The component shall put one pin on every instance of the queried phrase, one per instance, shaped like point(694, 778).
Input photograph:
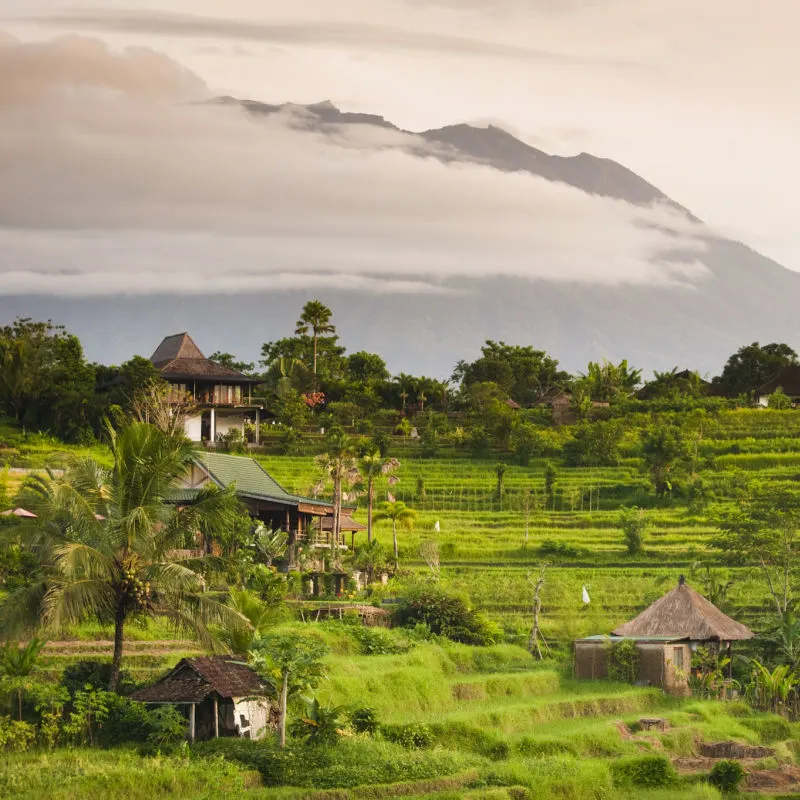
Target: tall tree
point(231, 362)
point(398, 514)
point(753, 365)
point(604, 381)
point(372, 465)
point(316, 318)
point(338, 462)
point(106, 542)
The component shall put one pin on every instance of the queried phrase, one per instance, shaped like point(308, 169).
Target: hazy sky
point(110, 182)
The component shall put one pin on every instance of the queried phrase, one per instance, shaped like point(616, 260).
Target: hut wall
point(677, 662)
point(252, 716)
point(651, 664)
point(591, 661)
point(194, 427)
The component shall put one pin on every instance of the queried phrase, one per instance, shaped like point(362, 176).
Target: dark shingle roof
point(251, 479)
point(193, 679)
point(787, 379)
point(179, 358)
point(685, 613)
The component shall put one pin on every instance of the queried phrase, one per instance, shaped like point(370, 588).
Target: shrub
point(378, 641)
point(650, 771)
point(445, 615)
point(16, 736)
point(364, 720)
point(95, 674)
point(634, 525)
point(623, 661)
point(412, 735)
point(726, 775)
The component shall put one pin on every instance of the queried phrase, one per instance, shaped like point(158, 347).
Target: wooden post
point(191, 723)
point(216, 717)
point(258, 426)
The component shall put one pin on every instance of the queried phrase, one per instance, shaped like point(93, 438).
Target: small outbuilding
point(220, 696)
point(666, 634)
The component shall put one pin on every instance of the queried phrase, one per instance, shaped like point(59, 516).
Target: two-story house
point(222, 397)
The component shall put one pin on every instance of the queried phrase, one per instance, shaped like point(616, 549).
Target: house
point(299, 517)
point(666, 634)
point(786, 379)
point(221, 398)
point(562, 408)
point(220, 696)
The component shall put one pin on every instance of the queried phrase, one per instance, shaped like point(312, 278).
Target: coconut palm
point(106, 541)
point(399, 514)
point(372, 465)
point(17, 662)
point(316, 317)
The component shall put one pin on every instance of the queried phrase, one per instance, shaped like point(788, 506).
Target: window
point(677, 657)
point(227, 394)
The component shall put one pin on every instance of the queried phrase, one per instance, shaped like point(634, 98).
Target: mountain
point(747, 297)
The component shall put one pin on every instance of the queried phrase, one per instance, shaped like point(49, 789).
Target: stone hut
point(220, 696)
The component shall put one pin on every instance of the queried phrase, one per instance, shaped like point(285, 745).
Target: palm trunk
point(116, 661)
point(394, 541)
point(314, 368)
point(284, 701)
point(370, 499)
point(19, 702)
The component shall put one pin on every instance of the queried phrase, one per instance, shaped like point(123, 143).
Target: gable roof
point(193, 679)
point(251, 479)
point(179, 358)
point(788, 379)
point(685, 613)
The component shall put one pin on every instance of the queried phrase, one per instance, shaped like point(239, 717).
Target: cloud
point(113, 179)
point(345, 33)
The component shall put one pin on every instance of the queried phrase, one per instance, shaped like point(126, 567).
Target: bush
point(623, 661)
point(412, 735)
point(445, 615)
point(16, 736)
point(95, 674)
point(649, 771)
point(378, 641)
point(364, 720)
point(726, 775)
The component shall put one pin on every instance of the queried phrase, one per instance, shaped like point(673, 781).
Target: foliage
point(15, 735)
point(634, 524)
point(779, 401)
point(90, 709)
point(623, 660)
point(316, 320)
point(649, 771)
point(770, 690)
point(398, 513)
point(17, 663)
point(726, 775)
point(595, 444)
point(753, 365)
point(95, 674)
point(319, 725)
point(605, 382)
point(666, 457)
point(364, 720)
point(411, 735)
point(445, 615)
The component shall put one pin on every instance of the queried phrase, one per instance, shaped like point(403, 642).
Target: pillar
point(258, 426)
point(213, 425)
point(216, 717)
point(191, 723)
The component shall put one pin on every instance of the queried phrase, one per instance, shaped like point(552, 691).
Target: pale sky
point(699, 97)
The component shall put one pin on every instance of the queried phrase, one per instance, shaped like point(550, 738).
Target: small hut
point(220, 695)
point(666, 633)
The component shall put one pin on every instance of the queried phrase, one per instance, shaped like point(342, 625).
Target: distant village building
point(223, 397)
point(666, 634)
point(219, 695)
point(787, 380)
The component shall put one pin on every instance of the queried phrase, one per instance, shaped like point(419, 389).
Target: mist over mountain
point(691, 319)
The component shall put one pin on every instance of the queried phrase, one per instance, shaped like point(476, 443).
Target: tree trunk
point(116, 661)
point(19, 702)
point(370, 499)
point(394, 541)
point(314, 368)
point(284, 702)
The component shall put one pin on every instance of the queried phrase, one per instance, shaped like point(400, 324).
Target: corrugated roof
point(685, 613)
point(251, 479)
point(193, 679)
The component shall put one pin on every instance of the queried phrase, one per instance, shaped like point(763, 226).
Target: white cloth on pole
point(436, 526)
point(585, 596)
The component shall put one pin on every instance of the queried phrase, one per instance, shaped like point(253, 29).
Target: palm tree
point(338, 462)
point(17, 662)
point(370, 558)
point(106, 541)
point(371, 466)
point(316, 317)
point(398, 513)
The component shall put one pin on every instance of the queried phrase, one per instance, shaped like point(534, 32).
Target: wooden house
point(219, 695)
point(306, 520)
point(666, 634)
point(223, 398)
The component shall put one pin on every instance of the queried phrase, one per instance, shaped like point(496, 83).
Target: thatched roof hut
point(685, 613)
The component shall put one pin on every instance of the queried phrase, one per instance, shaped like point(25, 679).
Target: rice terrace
point(307, 579)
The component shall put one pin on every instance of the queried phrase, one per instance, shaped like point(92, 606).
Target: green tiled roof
point(251, 479)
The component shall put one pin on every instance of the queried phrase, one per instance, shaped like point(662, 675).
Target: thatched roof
point(347, 523)
point(178, 358)
point(685, 613)
point(193, 679)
